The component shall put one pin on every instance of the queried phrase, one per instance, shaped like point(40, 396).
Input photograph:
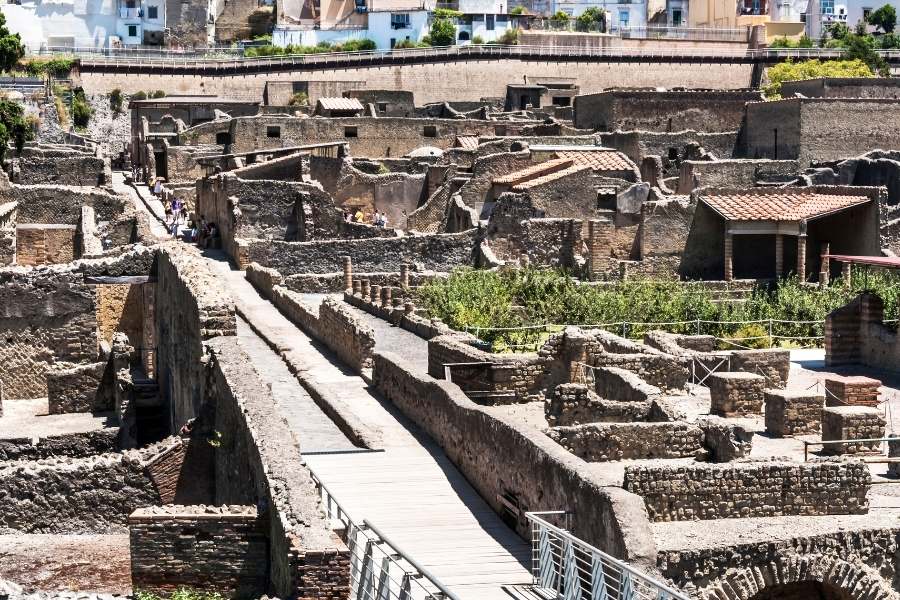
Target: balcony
point(126, 12)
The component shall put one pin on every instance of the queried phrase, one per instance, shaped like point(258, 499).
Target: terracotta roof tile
point(599, 160)
point(779, 205)
point(340, 103)
point(467, 142)
point(550, 177)
point(532, 171)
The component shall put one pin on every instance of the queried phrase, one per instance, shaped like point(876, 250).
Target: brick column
point(801, 257)
point(348, 273)
point(779, 255)
point(599, 240)
point(729, 267)
point(825, 265)
point(404, 276)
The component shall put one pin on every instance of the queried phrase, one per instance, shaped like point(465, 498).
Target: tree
point(13, 126)
point(838, 30)
point(443, 31)
point(559, 20)
point(811, 69)
point(592, 19)
point(862, 47)
point(11, 48)
point(884, 18)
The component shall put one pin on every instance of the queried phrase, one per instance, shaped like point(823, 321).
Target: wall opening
point(802, 590)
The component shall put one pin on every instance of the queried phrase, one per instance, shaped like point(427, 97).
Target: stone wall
point(77, 389)
point(62, 167)
point(45, 244)
point(751, 489)
point(78, 495)
point(734, 173)
point(503, 458)
point(855, 333)
point(191, 306)
point(603, 442)
point(215, 549)
point(8, 220)
point(256, 464)
point(75, 445)
point(427, 252)
point(62, 204)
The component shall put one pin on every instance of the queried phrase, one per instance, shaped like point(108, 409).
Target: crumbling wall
point(75, 445)
point(750, 489)
point(60, 166)
point(77, 389)
point(8, 220)
point(602, 442)
point(216, 549)
point(734, 173)
point(191, 306)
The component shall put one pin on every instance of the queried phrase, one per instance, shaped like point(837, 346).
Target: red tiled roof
point(779, 205)
point(532, 171)
point(599, 160)
point(467, 142)
point(549, 177)
point(891, 262)
point(340, 103)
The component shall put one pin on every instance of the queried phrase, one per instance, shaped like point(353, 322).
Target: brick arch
point(857, 580)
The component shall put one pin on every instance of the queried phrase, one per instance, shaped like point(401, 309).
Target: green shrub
point(81, 110)
point(115, 100)
point(442, 32)
point(518, 10)
point(299, 99)
point(810, 69)
point(478, 40)
point(751, 336)
point(60, 66)
point(140, 95)
point(158, 94)
point(181, 593)
point(592, 19)
point(510, 37)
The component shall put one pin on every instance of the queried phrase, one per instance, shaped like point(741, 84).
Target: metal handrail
point(662, 590)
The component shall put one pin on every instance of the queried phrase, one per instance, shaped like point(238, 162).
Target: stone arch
point(856, 580)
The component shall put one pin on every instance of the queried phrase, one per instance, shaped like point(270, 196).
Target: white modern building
point(87, 23)
point(395, 21)
point(621, 14)
point(821, 13)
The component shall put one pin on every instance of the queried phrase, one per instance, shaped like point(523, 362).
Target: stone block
point(852, 423)
point(851, 391)
point(736, 394)
point(793, 413)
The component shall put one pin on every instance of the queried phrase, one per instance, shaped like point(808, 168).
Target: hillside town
point(402, 300)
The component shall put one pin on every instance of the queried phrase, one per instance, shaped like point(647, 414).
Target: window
point(489, 22)
point(866, 12)
point(152, 12)
point(429, 131)
point(273, 131)
point(399, 21)
point(132, 31)
point(502, 19)
point(623, 18)
point(223, 138)
point(477, 18)
point(676, 17)
point(464, 36)
point(393, 42)
point(350, 132)
point(382, 106)
point(827, 7)
point(561, 101)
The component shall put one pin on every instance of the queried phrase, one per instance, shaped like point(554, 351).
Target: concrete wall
point(464, 80)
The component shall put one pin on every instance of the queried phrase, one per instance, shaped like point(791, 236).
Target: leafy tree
point(13, 126)
point(889, 41)
point(443, 31)
point(81, 110)
point(810, 69)
point(559, 20)
point(838, 30)
point(518, 10)
point(592, 19)
point(862, 47)
point(884, 18)
point(11, 48)
point(510, 37)
point(115, 100)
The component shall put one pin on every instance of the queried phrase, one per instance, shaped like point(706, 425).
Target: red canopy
point(890, 262)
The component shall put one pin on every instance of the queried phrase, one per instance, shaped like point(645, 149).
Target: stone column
point(599, 241)
point(404, 276)
point(348, 272)
point(847, 274)
point(409, 308)
point(386, 296)
point(729, 267)
point(364, 290)
point(357, 287)
point(801, 256)
point(779, 255)
point(825, 268)
point(376, 294)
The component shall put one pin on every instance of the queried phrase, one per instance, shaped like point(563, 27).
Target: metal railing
point(216, 59)
point(379, 568)
point(567, 568)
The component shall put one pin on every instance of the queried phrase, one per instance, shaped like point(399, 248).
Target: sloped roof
point(532, 171)
point(467, 142)
point(779, 205)
point(599, 160)
point(525, 185)
point(340, 104)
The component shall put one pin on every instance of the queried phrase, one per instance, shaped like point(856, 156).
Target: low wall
point(613, 383)
point(751, 489)
point(602, 442)
point(501, 457)
point(574, 404)
point(214, 549)
point(438, 252)
point(77, 389)
point(76, 445)
point(78, 495)
point(256, 463)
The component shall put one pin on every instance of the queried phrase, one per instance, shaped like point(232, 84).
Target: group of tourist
point(379, 219)
point(204, 233)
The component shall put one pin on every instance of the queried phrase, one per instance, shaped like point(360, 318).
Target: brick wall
point(76, 389)
point(603, 442)
point(215, 549)
point(45, 244)
point(751, 489)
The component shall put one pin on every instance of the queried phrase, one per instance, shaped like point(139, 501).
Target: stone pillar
point(729, 266)
point(386, 296)
point(779, 255)
point(825, 268)
point(376, 294)
point(357, 287)
point(409, 308)
point(396, 302)
point(599, 241)
point(364, 290)
point(801, 257)
point(404, 276)
point(847, 274)
point(348, 272)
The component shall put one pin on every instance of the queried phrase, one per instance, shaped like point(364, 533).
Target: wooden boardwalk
point(418, 499)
